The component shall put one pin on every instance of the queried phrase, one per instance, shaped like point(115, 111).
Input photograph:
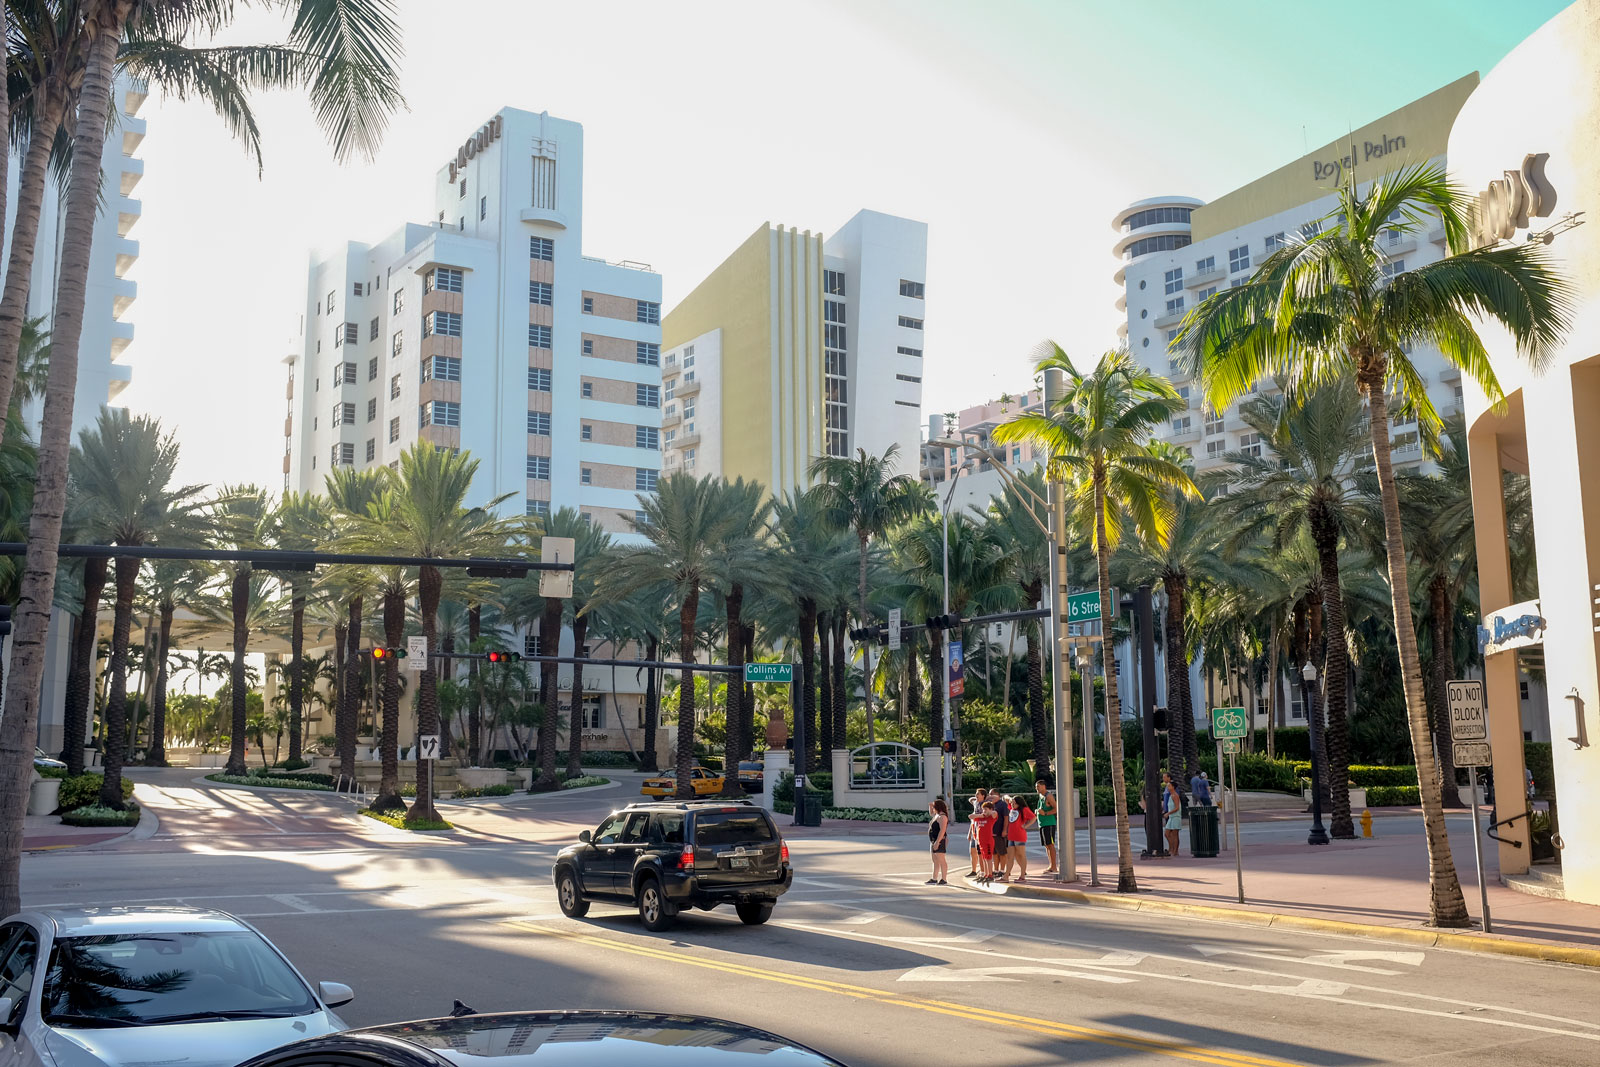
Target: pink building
point(975, 425)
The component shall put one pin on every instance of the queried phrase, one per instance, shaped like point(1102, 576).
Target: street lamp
point(1308, 698)
point(944, 643)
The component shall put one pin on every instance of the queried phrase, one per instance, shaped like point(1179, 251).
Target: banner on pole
point(958, 683)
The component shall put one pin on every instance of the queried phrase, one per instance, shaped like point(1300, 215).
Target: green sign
point(1228, 724)
point(1083, 607)
point(769, 672)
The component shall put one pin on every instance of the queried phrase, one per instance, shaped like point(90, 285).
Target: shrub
point(502, 790)
point(297, 776)
point(608, 759)
point(95, 815)
point(83, 790)
point(875, 814)
point(580, 782)
point(275, 781)
point(817, 785)
point(1393, 796)
point(1258, 772)
point(51, 772)
point(1369, 776)
point(397, 819)
point(1536, 755)
point(293, 764)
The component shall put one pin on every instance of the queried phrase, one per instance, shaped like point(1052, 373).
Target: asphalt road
point(860, 960)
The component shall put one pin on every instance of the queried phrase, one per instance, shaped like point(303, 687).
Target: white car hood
point(216, 1044)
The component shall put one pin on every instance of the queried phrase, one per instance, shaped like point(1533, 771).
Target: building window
point(440, 413)
point(331, 295)
point(588, 305)
point(397, 342)
point(483, 207)
point(911, 289)
point(647, 396)
point(647, 353)
point(904, 351)
point(1239, 258)
point(833, 282)
point(1183, 394)
point(647, 311)
point(585, 476)
point(1311, 229)
point(646, 437)
point(1206, 294)
point(356, 288)
point(343, 413)
point(372, 409)
point(1217, 448)
point(1174, 280)
point(535, 507)
point(394, 429)
point(348, 334)
point(1180, 424)
point(463, 191)
point(372, 369)
point(907, 378)
point(343, 372)
point(1275, 241)
point(586, 432)
point(441, 369)
point(1522, 690)
point(372, 449)
point(644, 480)
point(443, 323)
point(1393, 267)
point(1238, 282)
point(399, 301)
point(541, 293)
point(539, 379)
point(1205, 264)
point(1250, 444)
point(1213, 422)
point(1174, 305)
point(1172, 338)
point(444, 279)
point(588, 390)
point(394, 387)
point(834, 336)
point(833, 311)
point(539, 423)
point(541, 248)
point(539, 468)
point(538, 336)
point(910, 323)
point(588, 346)
point(343, 453)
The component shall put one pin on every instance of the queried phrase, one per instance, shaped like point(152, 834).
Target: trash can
point(44, 796)
point(1205, 839)
point(807, 808)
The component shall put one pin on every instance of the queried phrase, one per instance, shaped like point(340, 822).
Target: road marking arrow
point(997, 974)
point(1311, 987)
point(1337, 960)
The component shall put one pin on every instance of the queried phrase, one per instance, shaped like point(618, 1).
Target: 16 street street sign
point(1228, 724)
point(769, 672)
point(1083, 607)
point(1467, 722)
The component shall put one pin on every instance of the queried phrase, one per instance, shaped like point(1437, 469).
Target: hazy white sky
point(1014, 129)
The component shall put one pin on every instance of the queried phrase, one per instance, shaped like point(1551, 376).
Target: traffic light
point(949, 744)
point(863, 633)
point(944, 622)
point(504, 657)
point(1159, 717)
point(381, 653)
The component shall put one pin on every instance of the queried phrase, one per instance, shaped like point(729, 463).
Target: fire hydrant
point(1366, 823)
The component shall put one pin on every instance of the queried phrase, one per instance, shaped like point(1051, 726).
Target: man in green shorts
point(1047, 822)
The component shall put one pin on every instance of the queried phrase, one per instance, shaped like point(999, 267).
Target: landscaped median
point(294, 780)
point(79, 800)
point(397, 819)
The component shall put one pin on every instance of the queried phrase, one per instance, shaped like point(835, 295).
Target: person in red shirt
point(984, 819)
point(1017, 838)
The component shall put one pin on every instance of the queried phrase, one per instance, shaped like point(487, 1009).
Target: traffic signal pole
point(1061, 663)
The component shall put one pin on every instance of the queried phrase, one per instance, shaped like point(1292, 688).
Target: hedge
point(95, 815)
point(275, 781)
point(818, 785)
point(300, 776)
point(587, 779)
point(608, 759)
point(1368, 776)
point(484, 791)
point(83, 790)
point(1393, 796)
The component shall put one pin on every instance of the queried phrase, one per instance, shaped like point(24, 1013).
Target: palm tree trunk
point(447, 645)
point(580, 633)
point(651, 760)
point(116, 715)
point(1180, 701)
point(685, 755)
point(1439, 610)
point(475, 702)
point(866, 646)
point(1446, 904)
point(156, 753)
point(240, 607)
point(736, 743)
point(748, 701)
point(20, 724)
point(808, 686)
point(1274, 682)
point(394, 632)
point(914, 712)
point(825, 682)
point(1336, 670)
point(345, 724)
point(1043, 736)
point(31, 184)
point(297, 669)
point(840, 734)
point(429, 583)
point(1126, 882)
point(549, 695)
point(85, 635)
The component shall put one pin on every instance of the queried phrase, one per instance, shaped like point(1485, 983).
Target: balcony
point(1170, 319)
point(128, 215)
point(127, 254)
point(132, 134)
point(120, 376)
point(138, 93)
point(540, 216)
point(1181, 437)
point(1450, 373)
point(670, 419)
point(689, 388)
point(1399, 245)
point(132, 171)
point(1205, 277)
point(1436, 235)
point(121, 337)
point(124, 291)
point(687, 440)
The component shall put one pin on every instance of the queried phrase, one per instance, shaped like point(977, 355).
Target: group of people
point(997, 834)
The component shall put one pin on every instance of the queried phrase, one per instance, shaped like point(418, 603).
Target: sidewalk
point(1373, 886)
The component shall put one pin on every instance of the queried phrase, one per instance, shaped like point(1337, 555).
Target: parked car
point(665, 784)
point(538, 1038)
point(129, 985)
point(664, 857)
point(751, 775)
point(43, 759)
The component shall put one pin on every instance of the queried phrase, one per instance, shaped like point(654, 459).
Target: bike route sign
point(1228, 724)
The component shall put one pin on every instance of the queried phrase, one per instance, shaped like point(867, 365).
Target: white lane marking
point(1340, 960)
point(971, 937)
point(1311, 987)
point(997, 974)
point(823, 885)
point(292, 901)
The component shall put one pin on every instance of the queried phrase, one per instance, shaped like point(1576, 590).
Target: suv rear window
point(732, 828)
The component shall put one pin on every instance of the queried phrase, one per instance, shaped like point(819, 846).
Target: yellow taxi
point(665, 784)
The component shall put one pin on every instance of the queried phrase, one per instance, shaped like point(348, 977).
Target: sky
point(1014, 128)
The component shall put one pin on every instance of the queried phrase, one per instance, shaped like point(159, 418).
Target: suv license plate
point(737, 862)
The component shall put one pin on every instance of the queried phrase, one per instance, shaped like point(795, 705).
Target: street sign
point(1229, 723)
point(1467, 722)
point(1471, 753)
point(769, 672)
point(894, 629)
point(416, 653)
point(428, 746)
point(1083, 607)
point(556, 584)
point(1231, 746)
point(958, 674)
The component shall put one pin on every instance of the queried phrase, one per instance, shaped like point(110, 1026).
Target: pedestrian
point(1171, 812)
point(939, 841)
point(984, 819)
point(1047, 822)
point(1200, 788)
point(1017, 837)
point(977, 800)
point(1001, 811)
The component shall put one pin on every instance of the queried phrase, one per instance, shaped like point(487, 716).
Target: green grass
point(94, 815)
point(398, 820)
point(275, 781)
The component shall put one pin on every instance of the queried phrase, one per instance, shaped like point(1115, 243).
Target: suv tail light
point(686, 858)
point(784, 853)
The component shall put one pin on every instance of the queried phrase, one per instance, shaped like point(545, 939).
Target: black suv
point(669, 855)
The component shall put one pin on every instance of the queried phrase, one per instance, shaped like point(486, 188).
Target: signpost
point(894, 629)
point(417, 655)
point(1228, 726)
point(556, 584)
point(783, 674)
point(428, 746)
point(1469, 733)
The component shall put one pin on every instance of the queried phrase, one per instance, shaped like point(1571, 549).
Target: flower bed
point(95, 815)
point(276, 781)
point(397, 819)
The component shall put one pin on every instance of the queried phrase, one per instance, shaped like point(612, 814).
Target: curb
point(522, 796)
point(1487, 944)
point(204, 781)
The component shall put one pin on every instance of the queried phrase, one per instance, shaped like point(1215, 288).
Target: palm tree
point(1097, 440)
point(590, 550)
point(742, 552)
point(1333, 307)
point(683, 528)
point(1026, 555)
point(351, 493)
point(170, 581)
point(240, 519)
point(304, 522)
point(805, 548)
point(122, 471)
point(865, 496)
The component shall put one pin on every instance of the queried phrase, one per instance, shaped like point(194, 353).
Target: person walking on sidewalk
point(1171, 812)
point(939, 841)
point(1047, 822)
point(1200, 788)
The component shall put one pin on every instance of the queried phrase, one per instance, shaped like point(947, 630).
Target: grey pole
point(1055, 386)
point(1477, 849)
point(1086, 675)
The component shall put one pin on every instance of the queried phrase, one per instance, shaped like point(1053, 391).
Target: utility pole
point(1055, 387)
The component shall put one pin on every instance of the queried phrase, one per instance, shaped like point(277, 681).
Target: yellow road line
point(1195, 1053)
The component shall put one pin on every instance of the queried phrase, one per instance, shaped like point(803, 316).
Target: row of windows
point(833, 282)
point(538, 335)
point(541, 248)
point(1154, 215)
point(911, 289)
point(541, 293)
point(910, 323)
point(441, 369)
point(442, 323)
point(443, 279)
point(833, 311)
point(1166, 242)
point(439, 413)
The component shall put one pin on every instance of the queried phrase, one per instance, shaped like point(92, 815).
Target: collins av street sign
point(769, 672)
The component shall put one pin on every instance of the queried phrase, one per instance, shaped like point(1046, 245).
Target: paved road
point(861, 959)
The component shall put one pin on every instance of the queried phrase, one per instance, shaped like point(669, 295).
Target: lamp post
point(948, 776)
point(1308, 697)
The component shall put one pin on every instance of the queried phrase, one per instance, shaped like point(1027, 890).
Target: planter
point(1358, 797)
point(525, 776)
point(44, 796)
point(323, 764)
point(479, 777)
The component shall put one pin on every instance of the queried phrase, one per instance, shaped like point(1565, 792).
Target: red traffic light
point(503, 657)
point(380, 653)
point(388, 653)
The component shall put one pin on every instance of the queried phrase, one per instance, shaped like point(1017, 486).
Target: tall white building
point(1177, 250)
point(487, 329)
point(798, 347)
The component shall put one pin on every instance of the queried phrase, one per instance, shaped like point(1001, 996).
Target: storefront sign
point(1517, 626)
point(487, 135)
point(1507, 204)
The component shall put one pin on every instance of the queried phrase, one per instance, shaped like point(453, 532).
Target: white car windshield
point(158, 978)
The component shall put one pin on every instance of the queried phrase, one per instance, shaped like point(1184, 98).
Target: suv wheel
point(573, 906)
point(654, 911)
point(753, 912)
